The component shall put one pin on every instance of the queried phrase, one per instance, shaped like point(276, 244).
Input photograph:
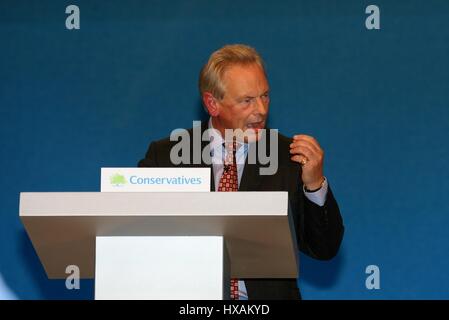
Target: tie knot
point(230, 146)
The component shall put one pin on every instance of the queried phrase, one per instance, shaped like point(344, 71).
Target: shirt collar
point(216, 139)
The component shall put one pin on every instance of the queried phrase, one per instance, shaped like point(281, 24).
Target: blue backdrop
point(73, 101)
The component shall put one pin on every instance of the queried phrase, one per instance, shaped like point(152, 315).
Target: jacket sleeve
point(322, 228)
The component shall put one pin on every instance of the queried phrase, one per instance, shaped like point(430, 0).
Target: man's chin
point(251, 135)
point(247, 135)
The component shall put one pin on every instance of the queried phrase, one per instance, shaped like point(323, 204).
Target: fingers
point(306, 144)
point(302, 140)
point(304, 150)
point(300, 159)
point(306, 138)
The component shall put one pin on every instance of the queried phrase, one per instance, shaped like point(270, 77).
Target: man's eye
point(247, 100)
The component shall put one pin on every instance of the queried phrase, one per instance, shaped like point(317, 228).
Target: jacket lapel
point(250, 177)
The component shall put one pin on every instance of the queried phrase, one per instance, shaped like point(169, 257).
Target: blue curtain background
point(73, 101)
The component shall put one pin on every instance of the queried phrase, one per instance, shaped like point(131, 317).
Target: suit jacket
point(319, 230)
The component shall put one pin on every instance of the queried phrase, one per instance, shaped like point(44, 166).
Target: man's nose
point(261, 106)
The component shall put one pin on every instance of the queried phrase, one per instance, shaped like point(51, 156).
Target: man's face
point(246, 100)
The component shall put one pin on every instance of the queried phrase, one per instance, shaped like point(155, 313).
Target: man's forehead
point(245, 79)
point(246, 71)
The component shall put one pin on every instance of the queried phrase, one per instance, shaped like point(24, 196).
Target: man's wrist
point(315, 187)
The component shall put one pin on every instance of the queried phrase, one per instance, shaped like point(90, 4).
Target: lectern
point(168, 245)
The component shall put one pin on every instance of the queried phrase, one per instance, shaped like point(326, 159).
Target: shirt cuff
point(318, 197)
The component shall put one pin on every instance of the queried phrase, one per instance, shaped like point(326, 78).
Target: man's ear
point(211, 104)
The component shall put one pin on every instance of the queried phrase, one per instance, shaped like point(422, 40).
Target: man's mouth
point(256, 125)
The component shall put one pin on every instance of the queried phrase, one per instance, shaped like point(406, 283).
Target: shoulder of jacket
point(166, 142)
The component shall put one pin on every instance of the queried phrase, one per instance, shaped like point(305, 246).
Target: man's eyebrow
point(252, 97)
point(245, 97)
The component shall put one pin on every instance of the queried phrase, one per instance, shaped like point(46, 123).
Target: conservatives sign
point(155, 179)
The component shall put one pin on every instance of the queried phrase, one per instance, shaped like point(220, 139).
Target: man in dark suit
point(235, 93)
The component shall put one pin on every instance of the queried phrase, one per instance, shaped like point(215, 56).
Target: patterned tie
point(229, 182)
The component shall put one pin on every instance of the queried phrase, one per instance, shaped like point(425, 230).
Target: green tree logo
point(118, 180)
